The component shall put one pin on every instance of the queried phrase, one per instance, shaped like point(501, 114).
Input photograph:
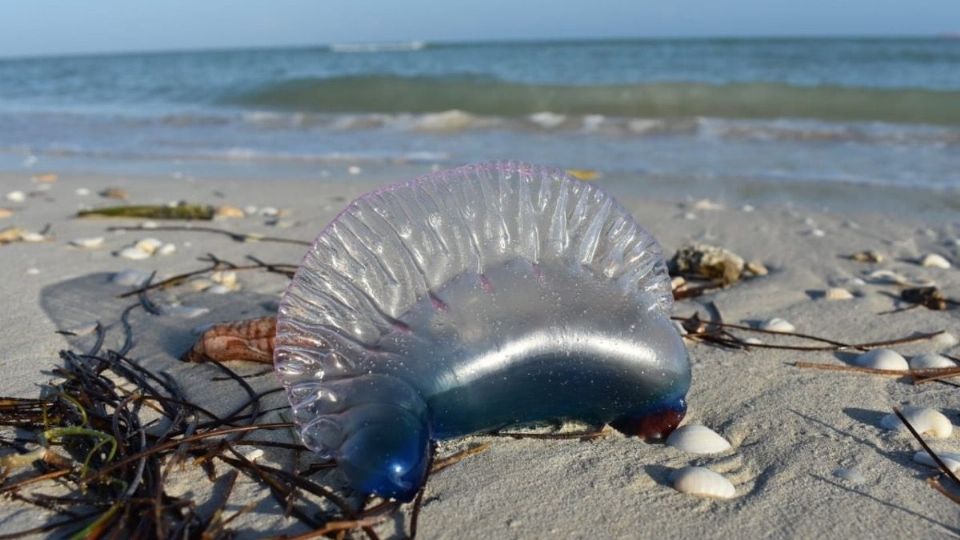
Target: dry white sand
point(790, 428)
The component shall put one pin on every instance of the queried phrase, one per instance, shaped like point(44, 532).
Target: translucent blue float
point(470, 300)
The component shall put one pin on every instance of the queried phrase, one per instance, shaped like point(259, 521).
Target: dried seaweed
point(237, 237)
point(152, 211)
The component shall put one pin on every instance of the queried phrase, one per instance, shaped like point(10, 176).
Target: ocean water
point(734, 116)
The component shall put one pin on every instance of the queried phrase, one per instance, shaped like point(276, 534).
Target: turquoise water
point(776, 111)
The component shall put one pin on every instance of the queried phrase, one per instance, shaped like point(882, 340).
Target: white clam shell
point(926, 421)
point(931, 361)
point(934, 260)
point(702, 482)
point(16, 196)
point(133, 254)
point(87, 243)
point(886, 277)
point(777, 324)
point(950, 459)
point(698, 439)
point(945, 340)
point(33, 237)
point(882, 359)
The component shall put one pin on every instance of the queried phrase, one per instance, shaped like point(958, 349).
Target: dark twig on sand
point(216, 265)
point(235, 236)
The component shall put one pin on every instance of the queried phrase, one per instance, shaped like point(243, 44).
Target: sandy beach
point(809, 457)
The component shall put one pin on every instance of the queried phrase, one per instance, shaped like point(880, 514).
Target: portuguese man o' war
point(471, 300)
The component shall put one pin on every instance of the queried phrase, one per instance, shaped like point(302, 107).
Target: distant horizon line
point(946, 35)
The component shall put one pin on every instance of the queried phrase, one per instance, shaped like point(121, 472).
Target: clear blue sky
point(39, 27)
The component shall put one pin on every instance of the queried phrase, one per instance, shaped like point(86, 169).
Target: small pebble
point(777, 324)
point(16, 196)
point(933, 260)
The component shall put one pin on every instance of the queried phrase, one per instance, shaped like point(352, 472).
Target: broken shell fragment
point(777, 324)
point(706, 261)
point(148, 245)
point(133, 254)
point(756, 268)
point(886, 277)
point(167, 249)
point(87, 243)
point(934, 260)
point(16, 196)
point(950, 459)
point(882, 359)
point(837, 293)
point(925, 420)
point(227, 211)
point(697, 439)
point(931, 361)
point(702, 482)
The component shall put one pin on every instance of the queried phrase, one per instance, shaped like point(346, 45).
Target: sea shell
point(882, 359)
point(837, 293)
point(87, 243)
point(16, 196)
point(697, 439)
point(702, 482)
point(934, 260)
point(777, 324)
point(148, 245)
point(470, 300)
point(925, 420)
point(133, 254)
point(930, 361)
point(886, 277)
point(950, 459)
point(945, 340)
point(167, 249)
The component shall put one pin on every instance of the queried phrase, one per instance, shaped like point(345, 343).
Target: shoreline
point(790, 428)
